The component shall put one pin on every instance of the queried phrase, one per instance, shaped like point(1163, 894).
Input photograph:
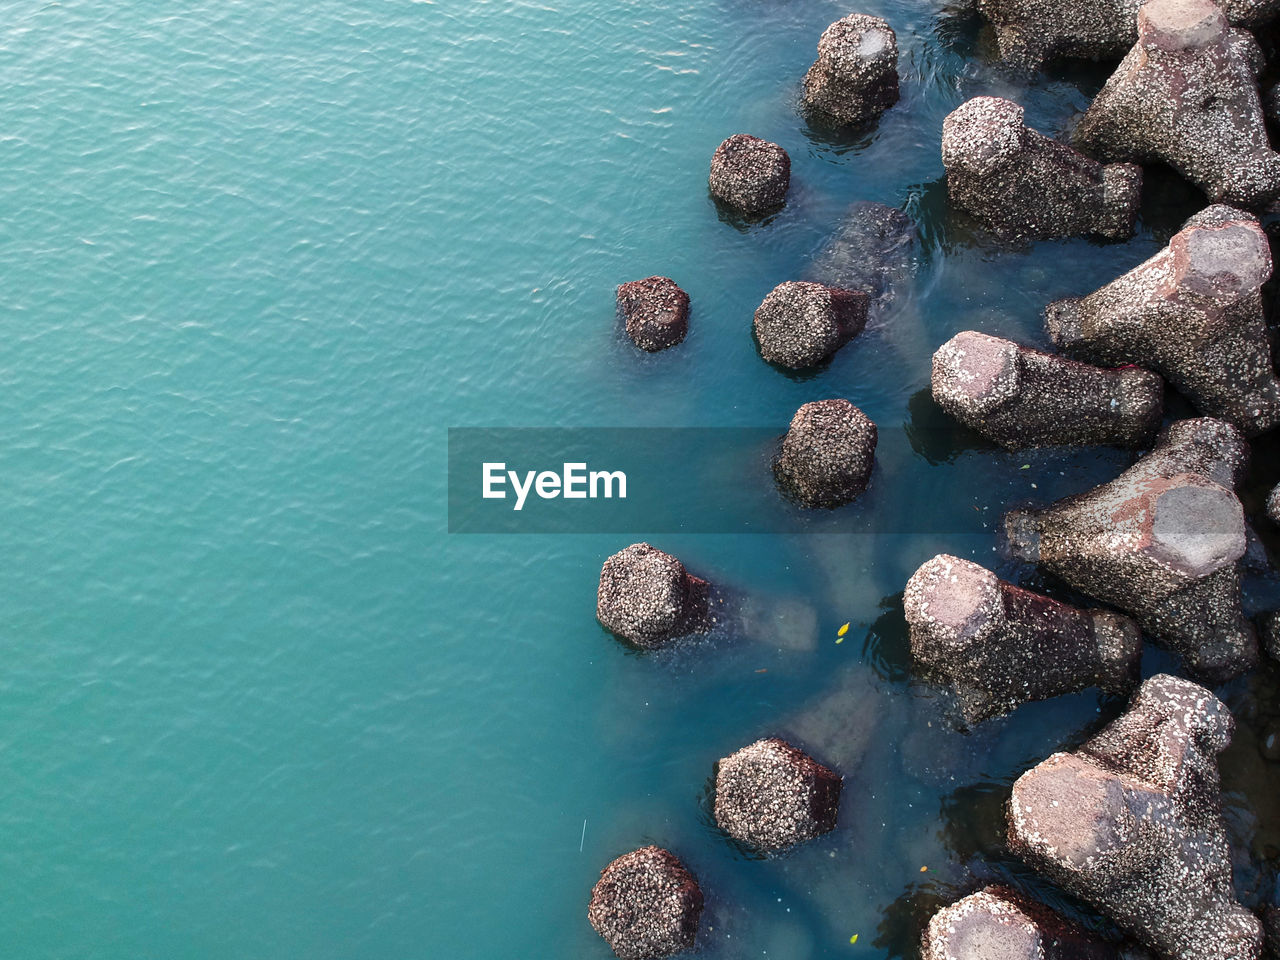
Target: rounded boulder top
point(646, 905)
point(800, 323)
point(750, 175)
point(643, 595)
point(982, 133)
point(771, 795)
point(1180, 25)
point(828, 453)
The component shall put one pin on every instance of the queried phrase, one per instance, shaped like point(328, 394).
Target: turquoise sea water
point(257, 258)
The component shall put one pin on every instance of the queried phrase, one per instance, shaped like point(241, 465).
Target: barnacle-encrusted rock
point(1271, 634)
point(1024, 186)
point(1030, 32)
point(1193, 313)
point(648, 598)
point(997, 646)
point(1161, 542)
point(855, 77)
point(800, 324)
point(1000, 924)
point(1132, 823)
point(646, 905)
point(656, 312)
point(827, 454)
point(1021, 397)
point(871, 251)
point(750, 175)
point(1271, 923)
point(772, 795)
point(1186, 95)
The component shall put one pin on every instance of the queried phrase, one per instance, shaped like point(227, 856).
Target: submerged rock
point(871, 251)
point(1186, 95)
point(997, 646)
point(1273, 504)
point(855, 77)
point(801, 324)
point(827, 454)
point(842, 722)
point(1162, 543)
point(1193, 313)
point(656, 312)
point(1000, 924)
point(647, 598)
point(1024, 186)
point(1030, 32)
point(1021, 397)
point(1132, 823)
point(772, 795)
point(749, 175)
point(646, 905)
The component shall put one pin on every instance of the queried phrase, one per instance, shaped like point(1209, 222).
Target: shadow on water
point(887, 647)
point(938, 437)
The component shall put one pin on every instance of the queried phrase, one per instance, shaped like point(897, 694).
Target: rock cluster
point(1024, 186)
point(1193, 313)
point(646, 905)
point(1160, 542)
point(1186, 95)
point(647, 598)
point(827, 454)
point(656, 312)
point(1000, 924)
point(855, 77)
point(1019, 397)
point(996, 646)
point(1132, 823)
point(749, 175)
point(800, 324)
point(771, 795)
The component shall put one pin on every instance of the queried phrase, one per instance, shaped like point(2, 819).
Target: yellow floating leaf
point(924, 869)
point(854, 938)
point(839, 639)
point(843, 630)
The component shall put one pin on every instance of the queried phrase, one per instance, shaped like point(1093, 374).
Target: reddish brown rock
point(646, 905)
point(1162, 543)
point(827, 454)
point(855, 77)
point(997, 646)
point(1024, 186)
point(656, 312)
point(1186, 95)
point(771, 795)
point(1021, 397)
point(749, 175)
point(1193, 313)
point(1132, 824)
point(800, 324)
